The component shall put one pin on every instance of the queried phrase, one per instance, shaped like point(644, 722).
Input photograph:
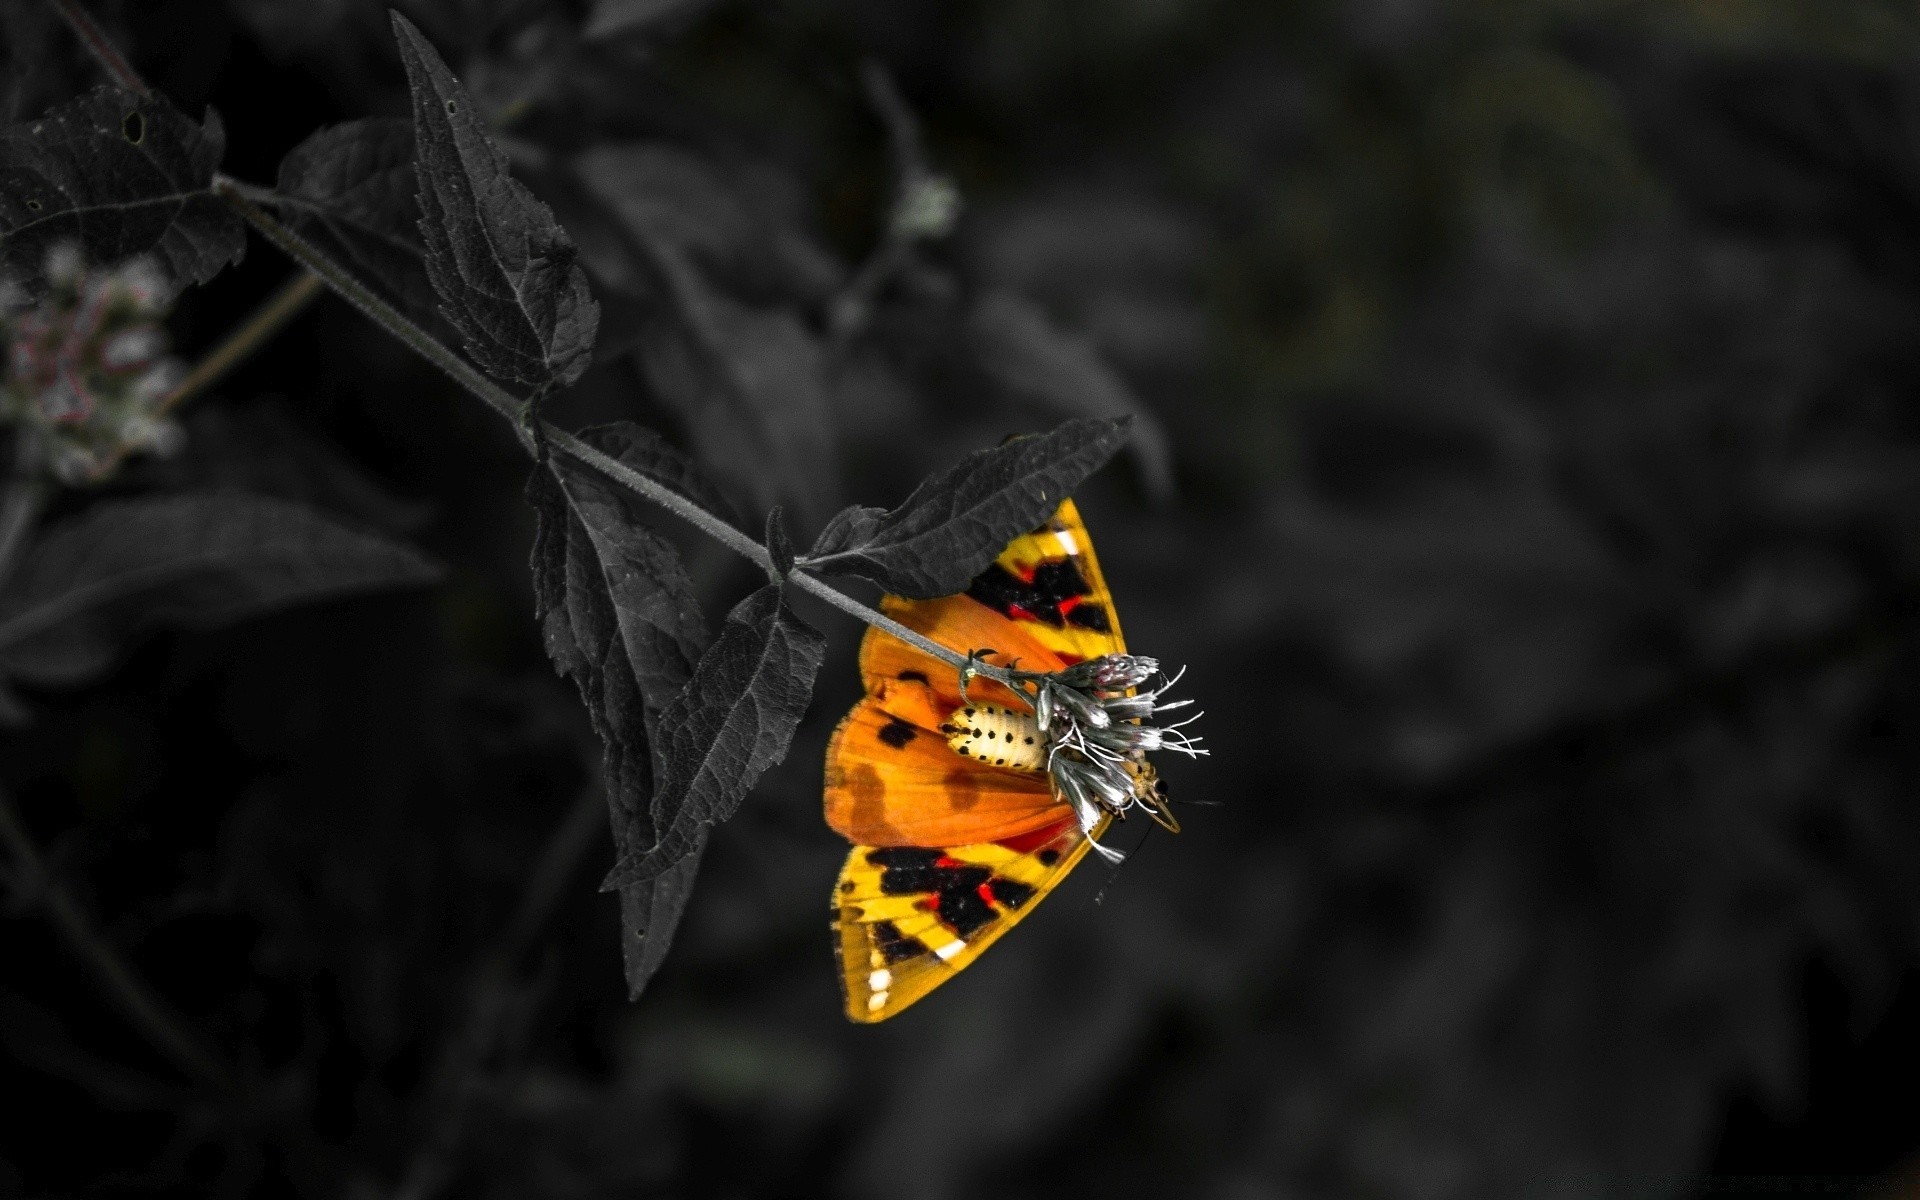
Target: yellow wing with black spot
point(910, 918)
point(1046, 584)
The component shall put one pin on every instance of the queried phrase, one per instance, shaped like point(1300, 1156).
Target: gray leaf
point(351, 191)
point(732, 722)
point(194, 560)
point(619, 618)
point(122, 175)
point(505, 271)
point(955, 522)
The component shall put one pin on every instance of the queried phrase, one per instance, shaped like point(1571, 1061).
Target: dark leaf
point(121, 175)
point(1025, 352)
point(619, 617)
point(197, 560)
point(505, 271)
point(266, 448)
point(955, 522)
point(779, 544)
point(650, 911)
point(612, 18)
point(733, 721)
point(664, 463)
point(750, 385)
point(749, 380)
point(743, 222)
point(351, 190)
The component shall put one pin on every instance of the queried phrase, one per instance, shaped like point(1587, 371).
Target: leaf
point(505, 271)
point(779, 544)
point(749, 381)
point(1025, 352)
point(664, 463)
point(619, 617)
point(122, 175)
point(351, 190)
point(194, 560)
point(734, 720)
point(750, 385)
point(955, 522)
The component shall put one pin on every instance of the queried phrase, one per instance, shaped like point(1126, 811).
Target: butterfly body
point(1001, 736)
point(958, 832)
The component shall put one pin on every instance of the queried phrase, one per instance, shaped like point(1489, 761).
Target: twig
point(489, 997)
point(247, 201)
point(136, 999)
point(100, 46)
point(284, 305)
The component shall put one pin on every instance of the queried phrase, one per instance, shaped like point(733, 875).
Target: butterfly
point(957, 831)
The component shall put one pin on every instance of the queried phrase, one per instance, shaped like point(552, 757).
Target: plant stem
point(100, 46)
point(134, 996)
point(247, 201)
point(284, 305)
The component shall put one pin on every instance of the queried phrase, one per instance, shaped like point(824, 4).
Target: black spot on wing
point(964, 912)
point(1054, 582)
point(914, 677)
point(894, 946)
point(952, 888)
point(1009, 893)
point(1090, 616)
point(1048, 856)
point(896, 733)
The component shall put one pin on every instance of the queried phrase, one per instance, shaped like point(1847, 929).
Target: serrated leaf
point(193, 560)
point(733, 721)
point(506, 272)
point(121, 175)
point(351, 191)
point(955, 522)
point(619, 617)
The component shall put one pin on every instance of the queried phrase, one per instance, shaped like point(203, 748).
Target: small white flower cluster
point(1095, 717)
point(87, 366)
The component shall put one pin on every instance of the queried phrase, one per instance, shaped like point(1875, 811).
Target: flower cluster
point(87, 368)
point(1096, 717)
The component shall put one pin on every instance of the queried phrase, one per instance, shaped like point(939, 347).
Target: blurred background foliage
point(1531, 479)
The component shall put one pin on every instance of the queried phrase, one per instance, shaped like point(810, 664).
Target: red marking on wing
point(985, 892)
point(1027, 843)
point(1069, 604)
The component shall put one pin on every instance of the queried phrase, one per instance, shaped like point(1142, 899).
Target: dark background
point(1541, 389)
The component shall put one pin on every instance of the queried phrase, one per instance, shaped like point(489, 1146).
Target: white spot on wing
point(876, 1002)
point(880, 980)
point(1066, 541)
point(950, 949)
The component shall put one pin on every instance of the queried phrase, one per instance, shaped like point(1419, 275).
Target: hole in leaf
point(134, 127)
point(34, 205)
point(452, 107)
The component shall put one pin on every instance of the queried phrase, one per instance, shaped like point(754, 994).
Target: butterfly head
point(1095, 723)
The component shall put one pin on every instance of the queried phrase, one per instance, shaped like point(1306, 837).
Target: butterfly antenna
point(1101, 896)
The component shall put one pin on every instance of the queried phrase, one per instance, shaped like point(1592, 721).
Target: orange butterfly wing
point(951, 852)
